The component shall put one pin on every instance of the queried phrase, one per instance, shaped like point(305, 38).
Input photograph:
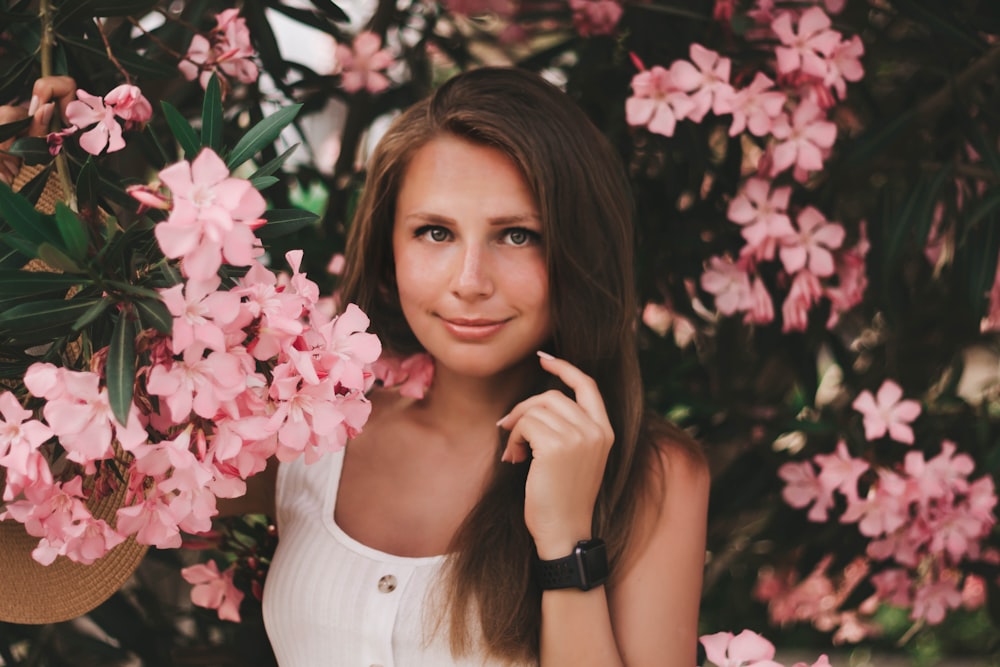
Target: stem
point(950, 93)
point(111, 55)
point(45, 46)
point(154, 39)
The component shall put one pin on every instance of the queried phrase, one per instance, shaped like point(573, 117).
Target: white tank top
point(330, 601)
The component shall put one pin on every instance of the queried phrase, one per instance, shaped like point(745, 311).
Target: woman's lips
point(473, 329)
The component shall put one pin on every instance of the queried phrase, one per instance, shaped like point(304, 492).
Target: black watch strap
point(585, 568)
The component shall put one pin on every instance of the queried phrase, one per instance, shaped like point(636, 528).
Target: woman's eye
point(436, 234)
point(519, 236)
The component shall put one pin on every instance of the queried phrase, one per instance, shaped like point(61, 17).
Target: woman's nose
point(472, 277)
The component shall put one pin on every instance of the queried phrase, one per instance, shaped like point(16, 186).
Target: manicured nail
point(502, 419)
point(45, 116)
point(545, 355)
point(504, 458)
point(33, 105)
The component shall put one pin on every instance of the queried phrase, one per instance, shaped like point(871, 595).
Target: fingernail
point(502, 419)
point(504, 457)
point(45, 116)
point(545, 355)
point(33, 106)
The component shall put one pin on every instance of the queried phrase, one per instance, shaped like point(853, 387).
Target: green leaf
point(34, 188)
point(263, 182)
point(33, 150)
point(24, 219)
point(11, 130)
point(57, 259)
point(12, 259)
point(285, 221)
point(44, 315)
point(20, 245)
point(183, 132)
point(211, 116)
point(260, 135)
point(73, 232)
point(120, 369)
point(153, 313)
point(88, 186)
point(92, 313)
point(274, 165)
point(14, 282)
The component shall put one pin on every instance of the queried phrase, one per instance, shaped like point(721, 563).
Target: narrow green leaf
point(988, 206)
point(261, 135)
point(120, 369)
point(263, 182)
point(73, 232)
point(34, 188)
point(171, 274)
point(32, 150)
point(43, 315)
point(274, 165)
point(23, 218)
point(92, 313)
point(183, 132)
point(11, 259)
point(285, 221)
point(14, 282)
point(211, 116)
point(57, 259)
point(153, 313)
point(20, 245)
point(129, 288)
point(11, 130)
point(88, 186)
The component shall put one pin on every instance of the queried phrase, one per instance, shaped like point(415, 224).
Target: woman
point(494, 233)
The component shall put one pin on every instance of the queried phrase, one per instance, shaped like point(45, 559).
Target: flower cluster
point(923, 519)
point(790, 113)
point(362, 64)
point(252, 370)
point(747, 649)
point(102, 114)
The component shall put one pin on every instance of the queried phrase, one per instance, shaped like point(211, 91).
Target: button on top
point(387, 584)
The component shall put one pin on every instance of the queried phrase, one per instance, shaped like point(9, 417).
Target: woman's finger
point(530, 428)
point(584, 387)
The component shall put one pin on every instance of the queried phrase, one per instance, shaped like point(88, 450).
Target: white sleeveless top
point(330, 601)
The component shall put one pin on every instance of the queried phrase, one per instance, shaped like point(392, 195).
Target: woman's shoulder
point(679, 459)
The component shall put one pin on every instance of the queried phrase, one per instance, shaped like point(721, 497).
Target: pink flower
point(840, 471)
point(804, 293)
point(845, 65)
point(657, 102)
point(887, 413)
point(661, 319)
point(762, 212)
point(747, 649)
point(595, 17)
point(213, 216)
point(360, 67)
point(886, 508)
point(932, 600)
point(227, 49)
point(807, 49)
point(200, 312)
point(756, 107)
point(803, 487)
point(729, 283)
point(89, 110)
point(707, 81)
point(130, 105)
point(411, 376)
point(20, 435)
point(803, 141)
point(761, 310)
point(851, 280)
point(811, 247)
point(214, 590)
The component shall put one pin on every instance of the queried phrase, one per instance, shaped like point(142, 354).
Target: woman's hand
point(569, 442)
point(47, 93)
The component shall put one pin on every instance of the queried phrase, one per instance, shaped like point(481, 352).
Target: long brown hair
point(586, 212)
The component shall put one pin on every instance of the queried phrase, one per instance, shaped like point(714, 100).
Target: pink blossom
point(214, 590)
point(55, 140)
point(933, 599)
point(840, 471)
point(200, 312)
point(884, 510)
point(804, 293)
point(892, 586)
point(657, 102)
point(761, 310)
point(151, 520)
point(129, 104)
point(337, 264)
point(808, 48)
point(20, 435)
point(87, 110)
point(845, 65)
point(661, 319)
point(411, 375)
point(197, 383)
point(595, 17)
point(747, 649)
point(811, 247)
point(852, 280)
point(361, 66)
point(762, 212)
point(227, 49)
point(756, 107)
point(803, 141)
point(212, 218)
point(729, 283)
point(803, 487)
point(887, 413)
point(707, 81)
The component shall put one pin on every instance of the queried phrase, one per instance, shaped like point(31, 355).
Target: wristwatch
point(585, 568)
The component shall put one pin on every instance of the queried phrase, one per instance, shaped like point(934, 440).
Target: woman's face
point(470, 261)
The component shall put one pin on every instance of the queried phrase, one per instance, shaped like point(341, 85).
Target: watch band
point(585, 568)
